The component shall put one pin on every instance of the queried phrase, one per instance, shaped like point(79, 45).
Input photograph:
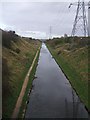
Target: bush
point(5, 78)
point(59, 52)
point(7, 37)
point(17, 50)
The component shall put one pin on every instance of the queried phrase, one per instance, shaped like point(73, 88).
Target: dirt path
point(24, 86)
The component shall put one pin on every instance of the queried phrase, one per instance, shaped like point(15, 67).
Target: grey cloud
point(38, 16)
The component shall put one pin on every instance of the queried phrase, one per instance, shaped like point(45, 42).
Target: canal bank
point(52, 95)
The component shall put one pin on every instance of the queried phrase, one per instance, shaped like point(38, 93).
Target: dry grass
point(18, 65)
point(74, 61)
point(78, 58)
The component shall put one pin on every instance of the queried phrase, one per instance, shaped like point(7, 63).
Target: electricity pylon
point(50, 32)
point(80, 22)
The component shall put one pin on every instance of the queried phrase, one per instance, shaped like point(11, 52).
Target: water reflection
point(75, 104)
point(52, 95)
point(76, 108)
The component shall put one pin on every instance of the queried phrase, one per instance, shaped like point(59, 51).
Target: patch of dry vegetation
point(72, 56)
point(17, 59)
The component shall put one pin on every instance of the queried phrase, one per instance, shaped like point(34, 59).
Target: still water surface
point(52, 95)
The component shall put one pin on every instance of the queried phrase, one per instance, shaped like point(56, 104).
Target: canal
point(52, 95)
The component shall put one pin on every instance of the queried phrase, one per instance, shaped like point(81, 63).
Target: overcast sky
point(34, 19)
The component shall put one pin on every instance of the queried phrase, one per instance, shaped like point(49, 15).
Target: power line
point(80, 21)
point(62, 18)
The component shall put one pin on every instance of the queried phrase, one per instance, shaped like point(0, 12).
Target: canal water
point(52, 95)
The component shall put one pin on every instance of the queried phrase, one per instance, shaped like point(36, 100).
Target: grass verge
point(18, 65)
point(80, 86)
point(29, 86)
point(12, 100)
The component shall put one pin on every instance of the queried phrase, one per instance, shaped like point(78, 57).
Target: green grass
point(18, 65)
point(12, 100)
point(80, 86)
point(25, 98)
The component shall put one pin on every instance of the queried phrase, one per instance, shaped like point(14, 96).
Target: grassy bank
point(29, 87)
point(18, 54)
point(73, 59)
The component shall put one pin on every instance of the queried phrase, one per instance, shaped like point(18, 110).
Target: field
point(72, 56)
